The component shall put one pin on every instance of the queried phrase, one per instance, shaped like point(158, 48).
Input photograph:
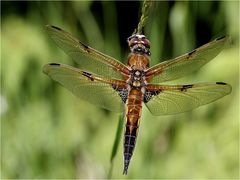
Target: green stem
point(145, 11)
point(116, 144)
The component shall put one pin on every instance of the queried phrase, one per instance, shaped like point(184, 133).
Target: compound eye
point(146, 43)
point(133, 42)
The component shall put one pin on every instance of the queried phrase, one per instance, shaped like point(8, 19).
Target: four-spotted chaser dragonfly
point(106, 82)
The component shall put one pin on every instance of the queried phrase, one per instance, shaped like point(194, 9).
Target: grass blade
point(116, 144)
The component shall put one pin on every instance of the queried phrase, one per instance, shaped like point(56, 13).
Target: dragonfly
point(106, 82)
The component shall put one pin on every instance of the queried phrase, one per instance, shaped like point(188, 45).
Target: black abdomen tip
point(125, 171)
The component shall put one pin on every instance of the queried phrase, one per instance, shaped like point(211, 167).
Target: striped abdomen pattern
point(133, 113)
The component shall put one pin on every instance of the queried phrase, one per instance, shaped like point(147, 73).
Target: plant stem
point(116, 144)
point(145, 11)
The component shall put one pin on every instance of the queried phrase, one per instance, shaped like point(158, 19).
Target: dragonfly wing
point(97, 62)
point(187, 63)
point(94, 89)
point(173, 99)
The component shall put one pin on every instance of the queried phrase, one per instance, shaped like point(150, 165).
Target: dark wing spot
point(123, 93)
point(88, 75)
point(184, 87)
point(86, 48)
point(221, 83)
point(54, 64)
point(149, 94)
point(84, 73)
point(187, 86)
point(192, 52)
point(220, 38)
point(56, 28)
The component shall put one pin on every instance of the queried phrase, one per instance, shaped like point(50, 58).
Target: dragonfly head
point(138, 43)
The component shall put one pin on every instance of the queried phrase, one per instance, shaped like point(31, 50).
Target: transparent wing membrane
point(175, 99)
point(93, 61)
point(96, 90)
point(188, 63)
point(108, 89)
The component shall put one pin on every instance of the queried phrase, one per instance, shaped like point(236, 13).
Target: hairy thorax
point(138, 63)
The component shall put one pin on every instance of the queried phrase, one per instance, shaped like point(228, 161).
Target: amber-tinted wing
point(94, 89)
point(167, 99)
point(93, 61)
point(187, 63)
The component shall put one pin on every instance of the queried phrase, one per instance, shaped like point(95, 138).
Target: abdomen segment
point(133, 113)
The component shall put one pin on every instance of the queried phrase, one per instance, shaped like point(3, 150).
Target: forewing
point(187, 63)
point(96, 90)
point(97, 62)
point(166, 100)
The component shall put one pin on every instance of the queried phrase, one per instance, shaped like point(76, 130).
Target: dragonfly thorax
point(139, 44)
point(137, 78)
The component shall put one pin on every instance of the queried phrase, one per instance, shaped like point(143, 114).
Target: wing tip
point(228, 86)
point(46, 67)
point(226, 39)
point(221, 37)
point(221, 83)
point(53, 27)
point(54, 64)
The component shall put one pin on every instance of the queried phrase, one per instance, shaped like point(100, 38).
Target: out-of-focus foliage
point(46, 132)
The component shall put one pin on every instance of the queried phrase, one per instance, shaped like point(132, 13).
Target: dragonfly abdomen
point(133, 113)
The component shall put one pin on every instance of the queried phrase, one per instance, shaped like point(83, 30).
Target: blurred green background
point(46, 132)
